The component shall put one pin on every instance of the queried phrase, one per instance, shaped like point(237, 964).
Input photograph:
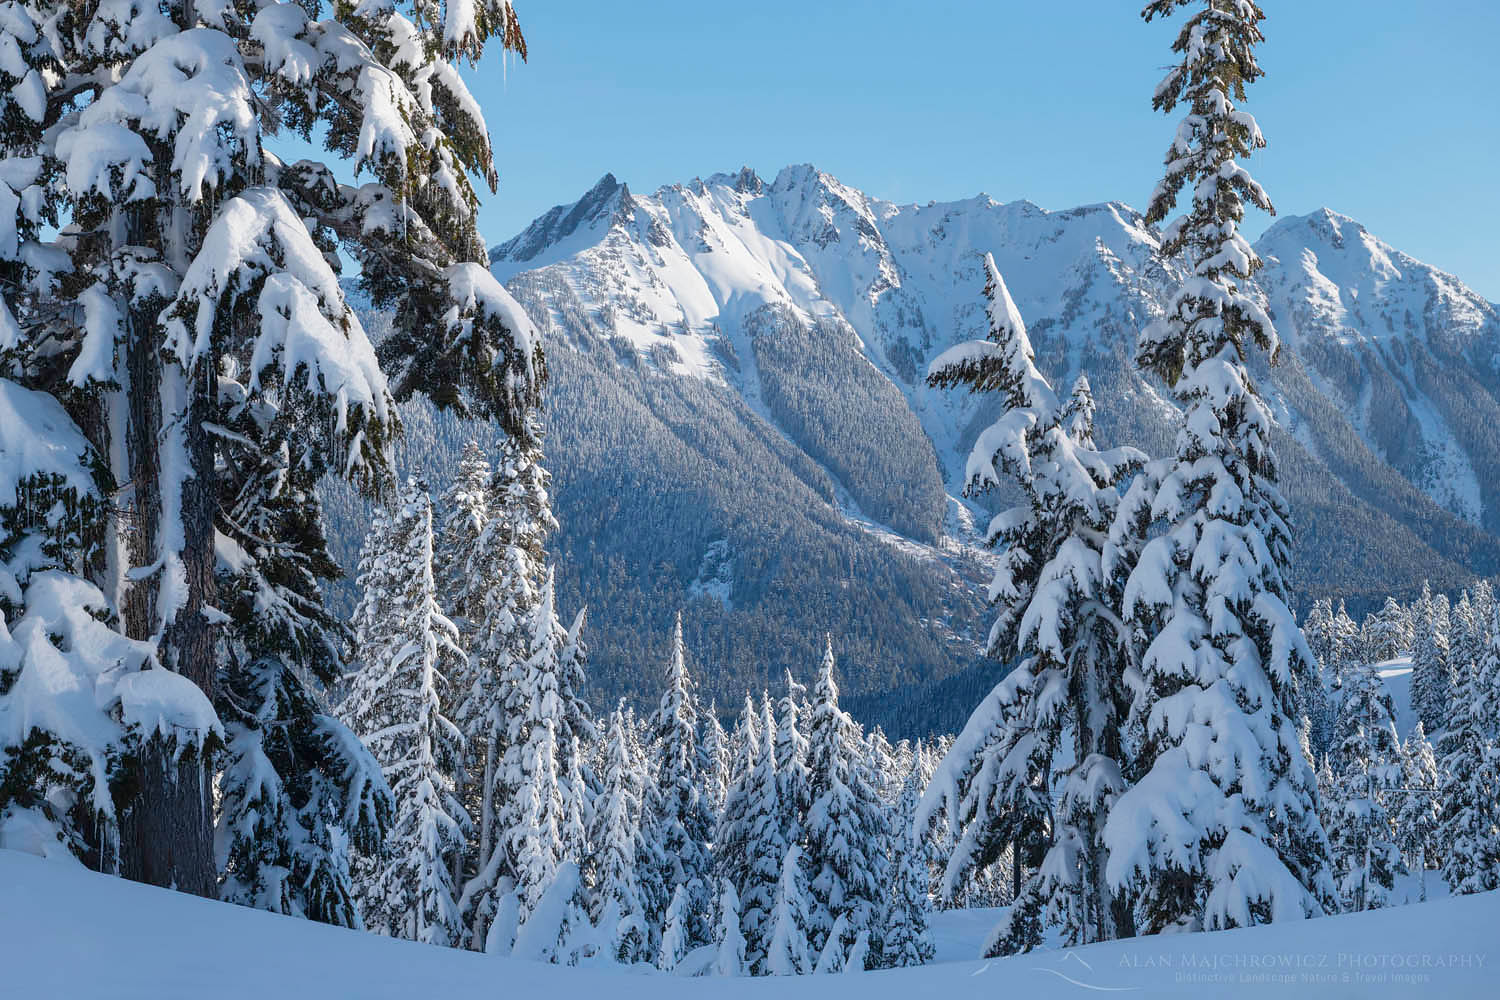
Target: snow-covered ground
point(68, 933)
point(1397, 677)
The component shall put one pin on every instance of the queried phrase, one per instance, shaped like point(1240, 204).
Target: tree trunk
point(166, 830)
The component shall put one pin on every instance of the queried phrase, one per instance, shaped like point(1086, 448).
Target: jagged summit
point(695, 275)
point(605, 198)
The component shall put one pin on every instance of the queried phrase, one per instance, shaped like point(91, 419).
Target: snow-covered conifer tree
point(907, 939)
point(845, 852)
point(729, 943)
point(746, 740)
point(1431, 669)
point(1056, 616)
point(620, 910)
point(1419, 811)
point(754, 850)
point(1367, 759)
point(787, 952)
point(1385, 633)
point(1470, 777)
point(398, 702)
point(556, 927)
point(79, 701)
point(1466, 636)
point(1221, 828)
point(531, 816)
point(682, 821)
point(164, 265)
point(674, 932)
point(793, 782)
point(498, 578)
point(298, 789)
point(715, 761)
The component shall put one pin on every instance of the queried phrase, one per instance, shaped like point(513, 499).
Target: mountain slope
point(739, 423)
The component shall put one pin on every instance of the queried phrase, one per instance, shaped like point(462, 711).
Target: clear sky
point(1385, 110)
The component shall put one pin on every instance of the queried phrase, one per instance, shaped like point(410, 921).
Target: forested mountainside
point(738, 422)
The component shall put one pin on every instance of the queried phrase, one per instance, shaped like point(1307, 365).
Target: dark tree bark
point(166, 830)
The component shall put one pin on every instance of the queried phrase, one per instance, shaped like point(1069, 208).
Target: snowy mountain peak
point(700, 279)
point(1349, 285)
point(605, 199)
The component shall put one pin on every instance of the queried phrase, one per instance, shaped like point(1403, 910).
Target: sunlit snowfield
point(114, 947)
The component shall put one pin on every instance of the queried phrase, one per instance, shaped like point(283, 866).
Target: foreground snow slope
point(66, 932)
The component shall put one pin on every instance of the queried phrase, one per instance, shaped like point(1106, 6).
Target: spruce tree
point(398, 703)
point(1056, 618)
point(1221, 829)
point(1470, 776)
point(164, 264)
point(845, 850)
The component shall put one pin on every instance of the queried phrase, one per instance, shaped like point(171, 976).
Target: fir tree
point(80, 703)
point(616, 835)
point(1365, 856)
point(758, 863)
point(1470, 775)
point(674, 934)
point(682, 821)
point(498, 578)
point(1386, 634)
point(746, 740)
point(1419, 812)
point(1055, 616)
point(556, 927)
point(729, 943)
point(845, 850)
point(907, 937)
point(1431, 670)
point(787, 951)
point(298, 789)
point(191, 269)
point(793, 782)
point(1221, 829)
point(398, 703)
point(715, 761)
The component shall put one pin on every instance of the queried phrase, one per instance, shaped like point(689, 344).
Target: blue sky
point(1383, 110)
